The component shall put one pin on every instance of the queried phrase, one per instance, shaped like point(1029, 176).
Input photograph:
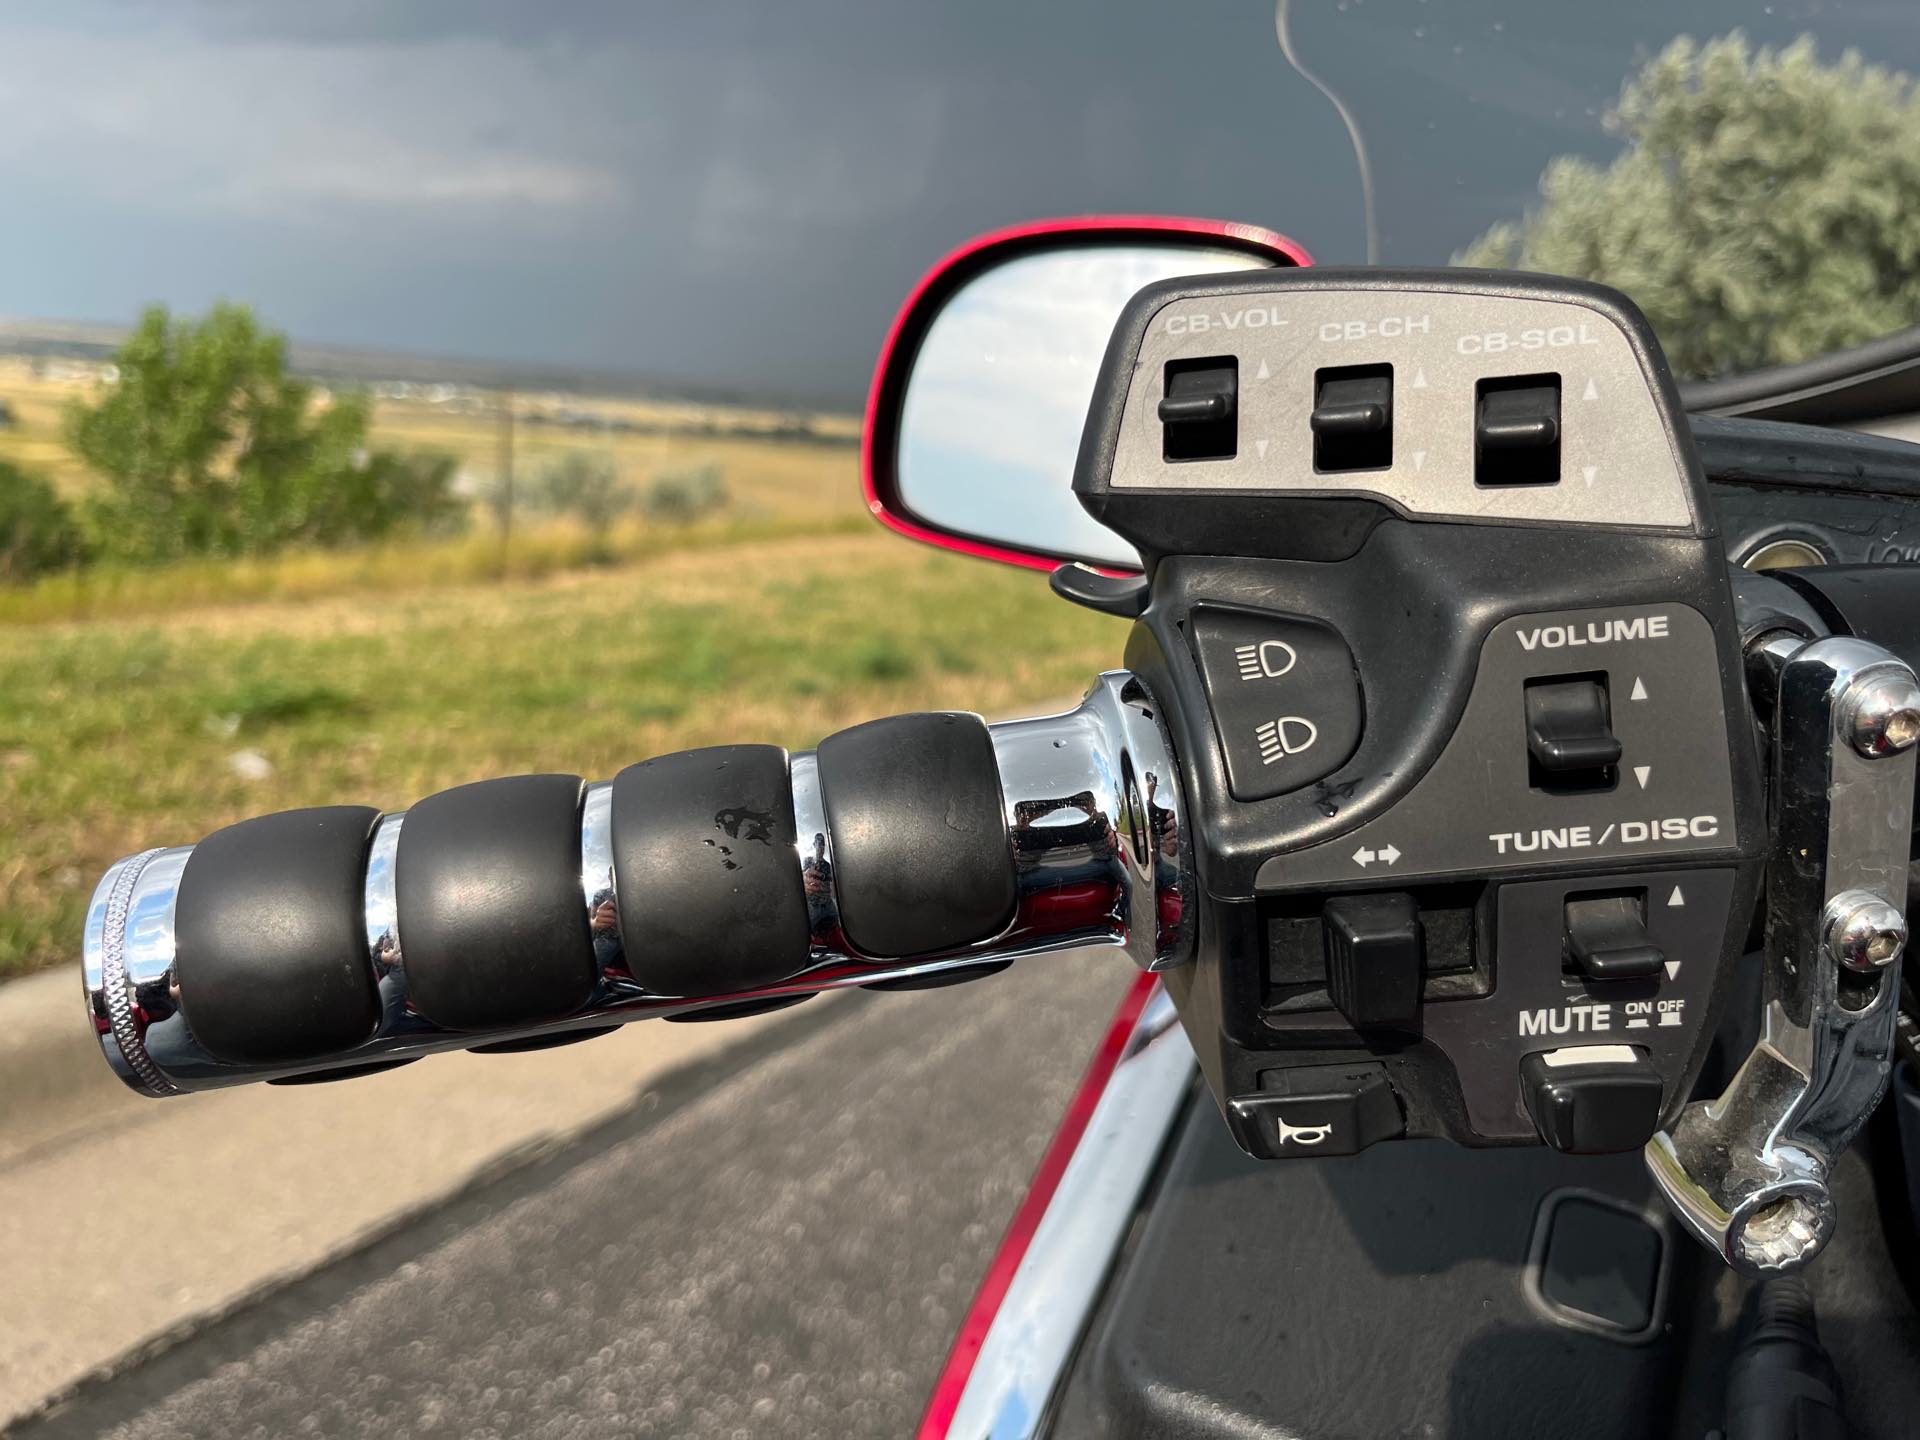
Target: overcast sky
point(738, 192)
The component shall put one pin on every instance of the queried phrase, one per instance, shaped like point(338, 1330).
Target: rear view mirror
point(975, 414)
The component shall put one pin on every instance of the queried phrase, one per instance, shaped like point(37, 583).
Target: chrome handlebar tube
point(1093, 816)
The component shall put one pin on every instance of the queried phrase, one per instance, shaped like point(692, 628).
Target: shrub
point(581, 484)
point(683, 496)
point(38, 532)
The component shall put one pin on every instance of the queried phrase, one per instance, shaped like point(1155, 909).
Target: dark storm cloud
point(735, 192)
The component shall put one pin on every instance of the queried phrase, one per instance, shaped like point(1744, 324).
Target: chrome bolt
point(1782, 1235)
point(1864, 932)
point(1882, 715)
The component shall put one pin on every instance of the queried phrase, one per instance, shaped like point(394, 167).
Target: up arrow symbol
point(1263, 373)
point(1419, 380)
point(1676, 899)
point(1592, 392)
point(1639, 689)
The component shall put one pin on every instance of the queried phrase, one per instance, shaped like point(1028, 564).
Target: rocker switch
point(1199, 416)
point(1516, 431)
point(1570, 739)
point(1352, 420)
point(1607, 937)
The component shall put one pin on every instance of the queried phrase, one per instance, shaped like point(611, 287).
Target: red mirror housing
point(880, 435)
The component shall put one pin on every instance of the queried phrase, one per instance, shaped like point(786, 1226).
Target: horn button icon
point(1317, 1110)
point(1286, 701)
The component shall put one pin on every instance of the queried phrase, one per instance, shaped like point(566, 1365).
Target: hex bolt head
point(1864, 932)
point(1882, 715)
point(1782, 1235)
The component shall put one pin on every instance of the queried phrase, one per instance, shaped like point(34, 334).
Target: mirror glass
point(991, 418)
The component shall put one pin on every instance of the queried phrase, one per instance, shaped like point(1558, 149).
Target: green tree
point(1766, 207)
point(207, 445)
point(37, 530)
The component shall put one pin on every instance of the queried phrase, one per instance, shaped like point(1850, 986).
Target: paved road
point(778, 1243)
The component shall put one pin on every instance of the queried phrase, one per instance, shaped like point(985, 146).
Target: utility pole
point(503, 465)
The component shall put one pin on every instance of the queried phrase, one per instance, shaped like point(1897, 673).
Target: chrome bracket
point(1748, 1172)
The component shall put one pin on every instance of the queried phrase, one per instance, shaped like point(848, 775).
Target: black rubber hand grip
point(711, 898)
point(493, 923)
point(270, 950)
point(921, 858)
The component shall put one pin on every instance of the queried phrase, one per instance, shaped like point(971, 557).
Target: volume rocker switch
point(1286, 701)
point(1570, 739)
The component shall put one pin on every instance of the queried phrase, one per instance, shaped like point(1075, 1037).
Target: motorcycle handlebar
point(537, 909)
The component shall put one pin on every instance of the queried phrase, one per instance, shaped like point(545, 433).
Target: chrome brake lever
point(1749, 1172)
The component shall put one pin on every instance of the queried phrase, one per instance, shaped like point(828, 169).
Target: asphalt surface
point(772, 1243)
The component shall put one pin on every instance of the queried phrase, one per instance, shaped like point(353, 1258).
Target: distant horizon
point(36, 336)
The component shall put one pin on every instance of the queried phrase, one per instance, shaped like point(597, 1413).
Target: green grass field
point(118, 733)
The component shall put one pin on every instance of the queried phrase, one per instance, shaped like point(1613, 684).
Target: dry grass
point(774, 487)
point(115, 735)
point(383, 674)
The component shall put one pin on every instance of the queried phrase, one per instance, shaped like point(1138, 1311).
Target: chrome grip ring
point(113, 978)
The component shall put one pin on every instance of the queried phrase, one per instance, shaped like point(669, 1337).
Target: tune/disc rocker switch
point(1607, 937)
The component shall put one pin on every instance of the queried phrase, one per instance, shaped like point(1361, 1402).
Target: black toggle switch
point(1592, 1099)
point(1570, 739)
point(1607, 937)
point(1516, 431)
point(1317, 1110)
point(1352, 418)
point(1286, 702)
point(1374, 952)
point(1199, 414)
